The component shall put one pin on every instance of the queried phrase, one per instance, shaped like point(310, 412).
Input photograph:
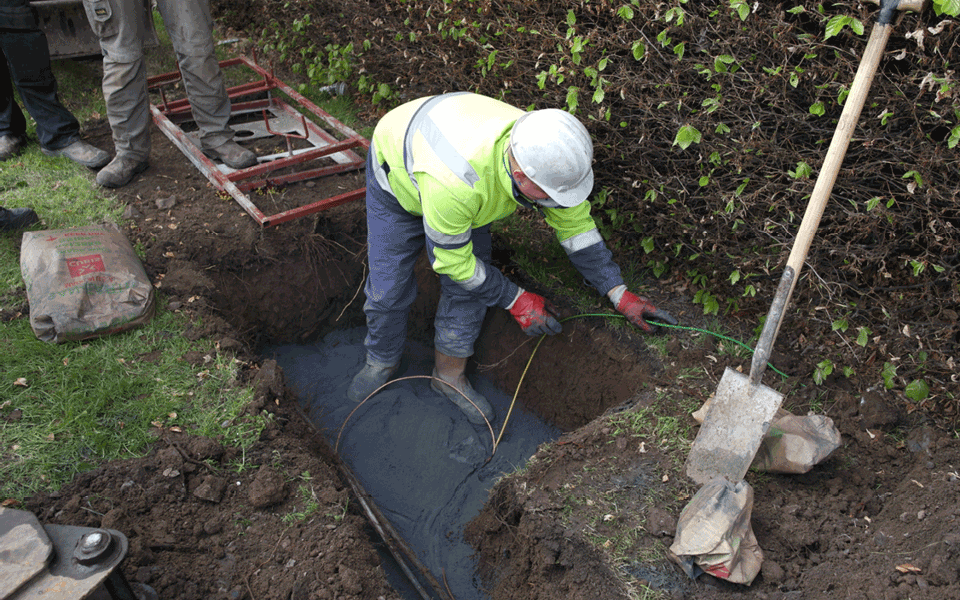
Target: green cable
point(659, 324)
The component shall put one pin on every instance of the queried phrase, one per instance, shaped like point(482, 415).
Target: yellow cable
point(517, 393)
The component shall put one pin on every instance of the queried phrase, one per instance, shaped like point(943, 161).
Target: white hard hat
point(554, 150)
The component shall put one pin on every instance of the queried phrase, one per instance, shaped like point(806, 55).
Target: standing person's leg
point(119, 24)
point(395, 239)
point(190, 26)
point(13, 126)
point(28, 58)
point(457, 323)
point(26, 62)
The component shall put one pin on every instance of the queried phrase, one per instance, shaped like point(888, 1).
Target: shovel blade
point(734, 426)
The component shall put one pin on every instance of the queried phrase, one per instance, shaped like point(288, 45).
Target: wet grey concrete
point(412, 450)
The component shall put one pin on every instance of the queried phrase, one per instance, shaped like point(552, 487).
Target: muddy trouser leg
point(120, 26)
point(459, 315)
point(26, 54)
point(395, 239)
point(191, 31)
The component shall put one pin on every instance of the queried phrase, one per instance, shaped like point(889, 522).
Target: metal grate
point(257, 112)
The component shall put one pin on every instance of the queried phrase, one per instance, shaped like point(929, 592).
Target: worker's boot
point(451, 370)
point(12, 219)
point(81, 153)
point(10, 146)
point(233, 155)
point(120, 171)
point(373, 375)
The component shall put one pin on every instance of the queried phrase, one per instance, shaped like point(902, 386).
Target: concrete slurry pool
point(423, 464)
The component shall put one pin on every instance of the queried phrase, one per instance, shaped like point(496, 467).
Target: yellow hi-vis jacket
point(447, 162)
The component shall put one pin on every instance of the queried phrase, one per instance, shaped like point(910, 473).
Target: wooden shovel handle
point(821, 193)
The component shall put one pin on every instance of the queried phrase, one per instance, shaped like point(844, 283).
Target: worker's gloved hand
point(534, 314)
point(638, 309)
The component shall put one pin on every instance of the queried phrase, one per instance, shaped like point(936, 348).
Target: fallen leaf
point(51, 437)
point(21, 381)
point(908, 568)
point(10, 502)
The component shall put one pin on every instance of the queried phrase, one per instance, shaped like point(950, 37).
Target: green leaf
point(954, 133)
point(573, 94)
point(571, 18)
point(817, 109)
point(639, 49)
point(687, 135)
point(625, 13)
point(947, 7)
point(863, 336)
point(647, 245)
point(888, 373)
point(917, 390)
point(836, 24)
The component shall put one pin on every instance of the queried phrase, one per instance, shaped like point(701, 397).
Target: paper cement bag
point(793, 444)
point(83, 283)
point(714, 534)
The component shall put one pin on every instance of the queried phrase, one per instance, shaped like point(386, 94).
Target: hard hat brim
point(574, 196)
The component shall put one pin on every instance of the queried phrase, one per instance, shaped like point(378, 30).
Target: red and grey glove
point(534, 314)
point(638, 309)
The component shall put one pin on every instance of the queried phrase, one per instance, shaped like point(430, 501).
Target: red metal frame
point(238, 182)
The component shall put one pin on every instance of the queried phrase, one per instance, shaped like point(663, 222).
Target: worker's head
point(554, 152)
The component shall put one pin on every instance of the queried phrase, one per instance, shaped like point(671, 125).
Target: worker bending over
point(439, 171)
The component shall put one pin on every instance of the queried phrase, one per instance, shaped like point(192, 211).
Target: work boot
point(373, 375)
point(10, 146)
point(81, 153)
point(17, 218)
point(120, 171)
point(233, 155)
point(451, 370)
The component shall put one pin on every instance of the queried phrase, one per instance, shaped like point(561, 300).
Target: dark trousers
point(25, 62)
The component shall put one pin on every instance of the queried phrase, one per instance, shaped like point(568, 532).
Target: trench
point(419, 469)
point(425, 467)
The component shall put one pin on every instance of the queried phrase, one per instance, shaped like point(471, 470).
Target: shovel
point(742, 407)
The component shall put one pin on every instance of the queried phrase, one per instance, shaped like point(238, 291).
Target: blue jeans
point(25, 61)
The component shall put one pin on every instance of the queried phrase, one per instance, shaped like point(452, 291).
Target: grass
point(82, 403)
point(66, 408)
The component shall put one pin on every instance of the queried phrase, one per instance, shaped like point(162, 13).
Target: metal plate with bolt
point(62, 562)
